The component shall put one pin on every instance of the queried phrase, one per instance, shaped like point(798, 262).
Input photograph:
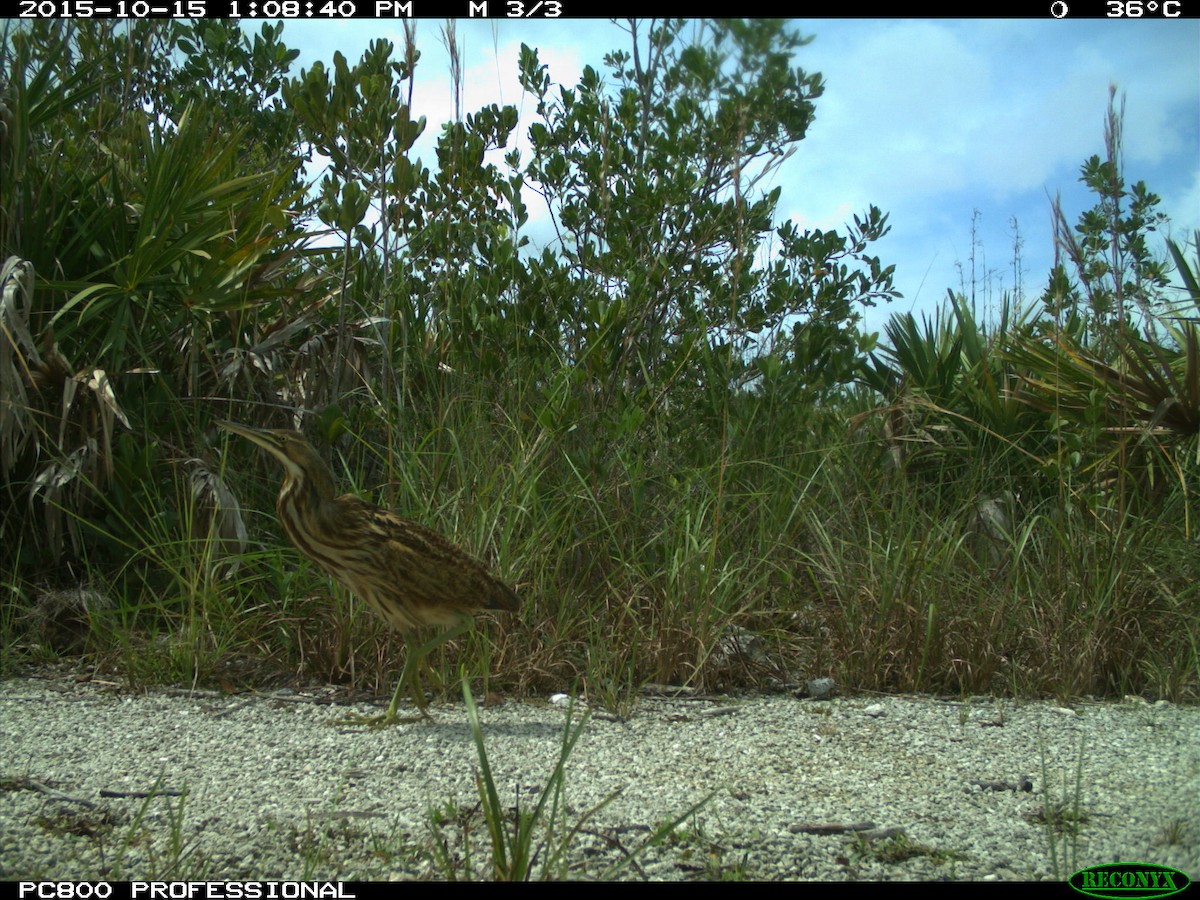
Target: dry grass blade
point(222, 518)
point(16, 345)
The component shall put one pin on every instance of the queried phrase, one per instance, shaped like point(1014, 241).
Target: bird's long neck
point(305, 493)
point(317, 481)
point(308, 486)
point(305, 505)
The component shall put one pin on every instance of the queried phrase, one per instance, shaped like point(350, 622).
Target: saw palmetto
point(407, 573)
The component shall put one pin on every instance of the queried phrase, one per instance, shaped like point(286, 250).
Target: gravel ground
point(263, 786)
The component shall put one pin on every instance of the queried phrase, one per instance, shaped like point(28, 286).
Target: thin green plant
point(516, 847)
point(706, 856)
point(535, 841)
point(1063, 815)
point(175, 864)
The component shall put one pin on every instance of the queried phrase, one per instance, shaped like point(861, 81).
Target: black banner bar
point(194, 890)
point(333, 10)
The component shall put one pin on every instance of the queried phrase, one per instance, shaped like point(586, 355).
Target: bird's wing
point(427, 568)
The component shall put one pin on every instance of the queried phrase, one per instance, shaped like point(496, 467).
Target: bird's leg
point(412, 668)
point(409, 676)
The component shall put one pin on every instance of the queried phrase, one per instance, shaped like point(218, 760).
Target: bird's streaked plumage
point(408, 574)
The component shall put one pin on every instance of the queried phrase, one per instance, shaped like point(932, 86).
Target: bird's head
point(295, 454)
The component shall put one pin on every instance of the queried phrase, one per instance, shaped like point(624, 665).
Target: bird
point(408, 574)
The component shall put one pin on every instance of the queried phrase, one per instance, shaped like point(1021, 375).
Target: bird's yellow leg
point(409, 676)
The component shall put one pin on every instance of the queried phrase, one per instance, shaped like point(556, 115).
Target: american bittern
point(407, 573)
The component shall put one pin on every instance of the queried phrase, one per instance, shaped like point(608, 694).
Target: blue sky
point(930, 120)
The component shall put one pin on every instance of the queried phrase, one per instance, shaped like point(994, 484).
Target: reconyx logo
point(1129, 880)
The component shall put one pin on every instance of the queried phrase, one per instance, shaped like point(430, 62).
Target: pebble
point(260, 786)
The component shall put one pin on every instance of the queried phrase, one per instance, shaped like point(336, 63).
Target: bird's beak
point(260, 436)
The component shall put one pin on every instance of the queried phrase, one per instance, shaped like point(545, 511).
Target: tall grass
point(845, 565)
point(952, 523)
